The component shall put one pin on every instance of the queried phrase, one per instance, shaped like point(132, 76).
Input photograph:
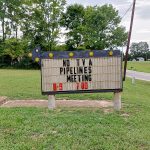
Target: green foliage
point(102, 28)
point(73, 20)
point(140, 49)
point(60, 47)
point(14, 48)
point(28, 23)
point(45, 19)
point(10, 17)
point(94, 27)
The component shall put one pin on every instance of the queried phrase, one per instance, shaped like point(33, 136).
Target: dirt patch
point(59, 103)
point(3, 100)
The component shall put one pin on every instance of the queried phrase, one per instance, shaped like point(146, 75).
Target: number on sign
point(82, 85)
point(57, 87)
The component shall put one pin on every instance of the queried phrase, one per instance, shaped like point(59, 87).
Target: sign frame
point(37, 56)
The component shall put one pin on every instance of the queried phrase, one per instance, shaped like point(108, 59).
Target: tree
point(3, 17)
point(140, 49)
point(93, 27)
point(10, 17)
point(1, 47)
point(14, 48)
point(102, 28)
point(42, 22)
point(14, 14)
point(73, 20)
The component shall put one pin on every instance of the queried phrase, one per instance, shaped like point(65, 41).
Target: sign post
point(51, 102)
point(87, 71)
point(117, 101)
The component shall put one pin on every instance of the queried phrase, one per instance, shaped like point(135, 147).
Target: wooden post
point(117, 101)
point(129, 39)
point(51, 102)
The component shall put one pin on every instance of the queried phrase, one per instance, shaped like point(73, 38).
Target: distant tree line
point(27, 23)
point(140, 49)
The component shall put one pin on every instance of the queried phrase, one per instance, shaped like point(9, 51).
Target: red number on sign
point(85, 85)
point(57, 86)
point(60, 86)
point(82, 85)
point(54, 87)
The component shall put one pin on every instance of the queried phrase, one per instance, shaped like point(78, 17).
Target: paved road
point(138, 75)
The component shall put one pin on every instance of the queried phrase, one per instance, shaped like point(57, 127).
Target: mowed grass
point(73, 128)
point(139, 66)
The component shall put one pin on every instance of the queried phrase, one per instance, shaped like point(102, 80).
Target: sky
point(141, 26)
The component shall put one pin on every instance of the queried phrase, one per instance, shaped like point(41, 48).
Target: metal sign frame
point(37, 56)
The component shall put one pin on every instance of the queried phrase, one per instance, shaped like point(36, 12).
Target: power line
point(127, 11)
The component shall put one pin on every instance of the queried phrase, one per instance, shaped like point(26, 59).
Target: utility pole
point(129, 39)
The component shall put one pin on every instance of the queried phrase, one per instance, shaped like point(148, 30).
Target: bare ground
point(59, 103)
point(3, 100)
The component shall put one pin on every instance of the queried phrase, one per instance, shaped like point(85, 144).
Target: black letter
point(66, 63)
point(85, 69)
point(75, 70)
point(90, 78)
point(67, 70)
point(74, 78)
point(80, 70)
point(90, 70)
point(83, 61)
point(79, 78)
point(90, 62)
point(71, 72)
point(86, 78)
point(68, 78)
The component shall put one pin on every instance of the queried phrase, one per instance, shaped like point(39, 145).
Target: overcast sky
point(141, 28)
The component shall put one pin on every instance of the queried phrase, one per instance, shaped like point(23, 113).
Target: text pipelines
point(80, 73)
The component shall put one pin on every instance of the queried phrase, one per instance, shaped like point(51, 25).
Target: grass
point(73, 128)
point(64, 129)
point(139, 66)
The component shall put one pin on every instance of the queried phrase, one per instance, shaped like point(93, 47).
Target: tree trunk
point(3, 29)
point(16, 32)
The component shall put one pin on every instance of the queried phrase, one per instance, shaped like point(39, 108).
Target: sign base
point(51, 102)
point(117, 101)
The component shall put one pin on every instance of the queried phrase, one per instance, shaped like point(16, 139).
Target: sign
point(80, 71)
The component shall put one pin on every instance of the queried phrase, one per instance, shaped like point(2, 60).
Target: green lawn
point(72, 128)
point(139, 66)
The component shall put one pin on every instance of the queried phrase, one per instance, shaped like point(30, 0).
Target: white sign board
point(81, 74)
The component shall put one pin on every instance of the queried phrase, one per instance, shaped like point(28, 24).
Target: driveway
point(138, 75)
